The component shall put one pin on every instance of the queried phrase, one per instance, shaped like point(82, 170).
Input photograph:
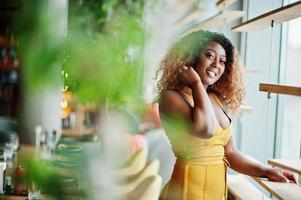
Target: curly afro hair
point(231, 86)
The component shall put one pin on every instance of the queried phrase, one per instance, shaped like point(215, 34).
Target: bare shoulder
point(173, 103)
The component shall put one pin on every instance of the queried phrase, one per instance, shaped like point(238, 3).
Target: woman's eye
point(210, 56)
point(223, 62)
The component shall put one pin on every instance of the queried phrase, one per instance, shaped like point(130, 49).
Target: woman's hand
point(280, 175)
point(188, 76)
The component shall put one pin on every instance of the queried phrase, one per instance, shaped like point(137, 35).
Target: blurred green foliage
point(100, 58)
point(101, 51)
point(40, 46)
point(104, 53)
point(40, 173)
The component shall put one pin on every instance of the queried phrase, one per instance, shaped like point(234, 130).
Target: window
point(290, 106)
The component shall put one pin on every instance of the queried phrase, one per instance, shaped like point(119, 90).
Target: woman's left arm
point(246, 165)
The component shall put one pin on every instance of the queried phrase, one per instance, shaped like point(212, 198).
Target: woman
point(202, 83)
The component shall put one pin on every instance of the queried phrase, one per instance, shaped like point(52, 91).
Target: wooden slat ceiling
point(278, 16)
point(217, 20)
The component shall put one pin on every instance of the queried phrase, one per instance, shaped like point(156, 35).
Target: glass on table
point(8, 151)
point(9, 143)
point(34, 191)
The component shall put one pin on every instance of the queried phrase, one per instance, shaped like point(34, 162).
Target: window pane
point(291, 129)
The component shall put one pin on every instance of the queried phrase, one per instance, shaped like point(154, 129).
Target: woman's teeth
point(211, 74)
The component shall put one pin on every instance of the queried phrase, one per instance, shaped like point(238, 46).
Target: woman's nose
point(214, 63)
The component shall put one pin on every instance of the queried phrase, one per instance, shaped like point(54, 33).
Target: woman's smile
point(211, 64)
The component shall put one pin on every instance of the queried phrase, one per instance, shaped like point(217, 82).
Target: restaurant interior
point(78, 87)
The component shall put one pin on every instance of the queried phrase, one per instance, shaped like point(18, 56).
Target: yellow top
point(191, 149)
point(200, 169)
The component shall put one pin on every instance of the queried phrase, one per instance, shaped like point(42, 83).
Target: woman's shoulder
point(173, 101)
point(222, 100)
point(170, 95)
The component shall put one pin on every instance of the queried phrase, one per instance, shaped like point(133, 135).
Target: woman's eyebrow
point(215, 52)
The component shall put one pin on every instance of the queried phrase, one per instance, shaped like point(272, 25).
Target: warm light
point(65, 88)
point(68, 96)
point(64, 104)
point(65, 112)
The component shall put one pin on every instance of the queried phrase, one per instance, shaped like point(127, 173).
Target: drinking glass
point(34, 191)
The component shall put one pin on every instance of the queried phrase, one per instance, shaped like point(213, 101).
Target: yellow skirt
point(196, 182)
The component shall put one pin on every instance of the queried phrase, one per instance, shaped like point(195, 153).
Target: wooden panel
point(287, 191)
point(191, 16)
point(280, 89)
point(245, 109)
point(278, 16)
point(288, 164)
point(223, 3)
point(241, 188)
point(182, 5)
point(217, 20)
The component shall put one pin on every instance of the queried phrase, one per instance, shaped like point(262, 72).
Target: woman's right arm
point(202, 114)
point(200, 118)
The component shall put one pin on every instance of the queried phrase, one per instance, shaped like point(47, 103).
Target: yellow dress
point(200, 169)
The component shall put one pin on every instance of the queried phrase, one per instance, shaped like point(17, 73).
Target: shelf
point(245, 109)
point(10, 67)
point(224, 3)
point(287, 191)
point(293, 165)
point(218, 20)
point(280, 89)
point(241, 188)
point(278, 16)
point(191, 16)
point(4, 42)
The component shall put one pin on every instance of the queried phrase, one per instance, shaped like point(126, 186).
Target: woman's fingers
point(282, 177)
point(290, 177)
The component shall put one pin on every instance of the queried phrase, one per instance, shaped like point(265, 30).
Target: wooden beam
point(245, 109)
point(217, 20)
point(191, 16)
point(280, 190)
point(271, 18)
point(280, 89)
point(293, 165)
point(182, 5)
point(224, 3)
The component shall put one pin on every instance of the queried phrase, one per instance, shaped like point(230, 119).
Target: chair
point(148, 189)
point(135, 165)
point(133, 181)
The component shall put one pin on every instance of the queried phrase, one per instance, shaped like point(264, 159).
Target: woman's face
point(211, 65)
